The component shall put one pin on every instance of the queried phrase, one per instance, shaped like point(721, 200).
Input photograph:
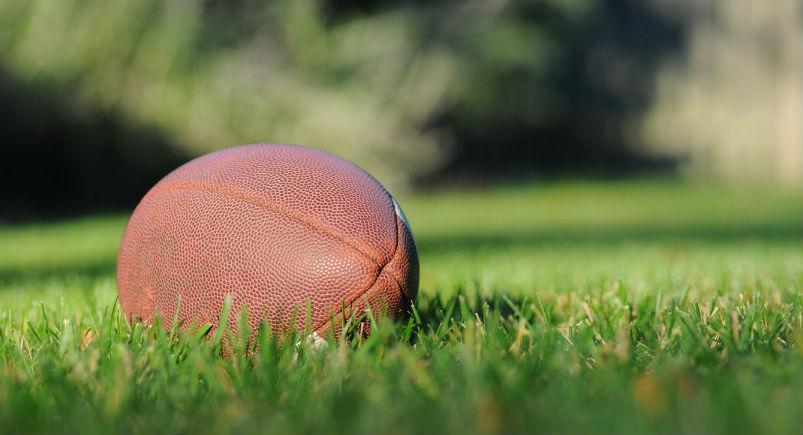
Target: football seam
point(395, 250)
point(362, 293)
point(270, 205)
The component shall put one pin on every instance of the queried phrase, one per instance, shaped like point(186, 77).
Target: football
point(304, 239)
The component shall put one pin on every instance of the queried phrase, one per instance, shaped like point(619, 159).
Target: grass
point(573, 307)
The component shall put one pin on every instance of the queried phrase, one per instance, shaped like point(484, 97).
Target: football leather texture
point(283, 230)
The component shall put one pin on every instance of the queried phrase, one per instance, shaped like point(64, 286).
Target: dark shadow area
point(60, 158)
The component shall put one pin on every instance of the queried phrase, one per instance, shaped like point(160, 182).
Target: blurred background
point(636, 166)
point(100, 98)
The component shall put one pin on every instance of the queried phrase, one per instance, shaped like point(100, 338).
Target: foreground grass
point(577, 307)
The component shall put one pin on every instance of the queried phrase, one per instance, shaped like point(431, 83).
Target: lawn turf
point(635, 307)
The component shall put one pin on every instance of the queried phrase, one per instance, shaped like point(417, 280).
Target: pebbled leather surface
point(277, 227)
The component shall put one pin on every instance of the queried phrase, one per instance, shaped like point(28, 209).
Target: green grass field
point(571, 307)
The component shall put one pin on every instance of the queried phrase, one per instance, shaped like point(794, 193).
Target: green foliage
point(564, 308)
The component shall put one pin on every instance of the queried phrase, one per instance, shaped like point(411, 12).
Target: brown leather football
point(282, 229)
